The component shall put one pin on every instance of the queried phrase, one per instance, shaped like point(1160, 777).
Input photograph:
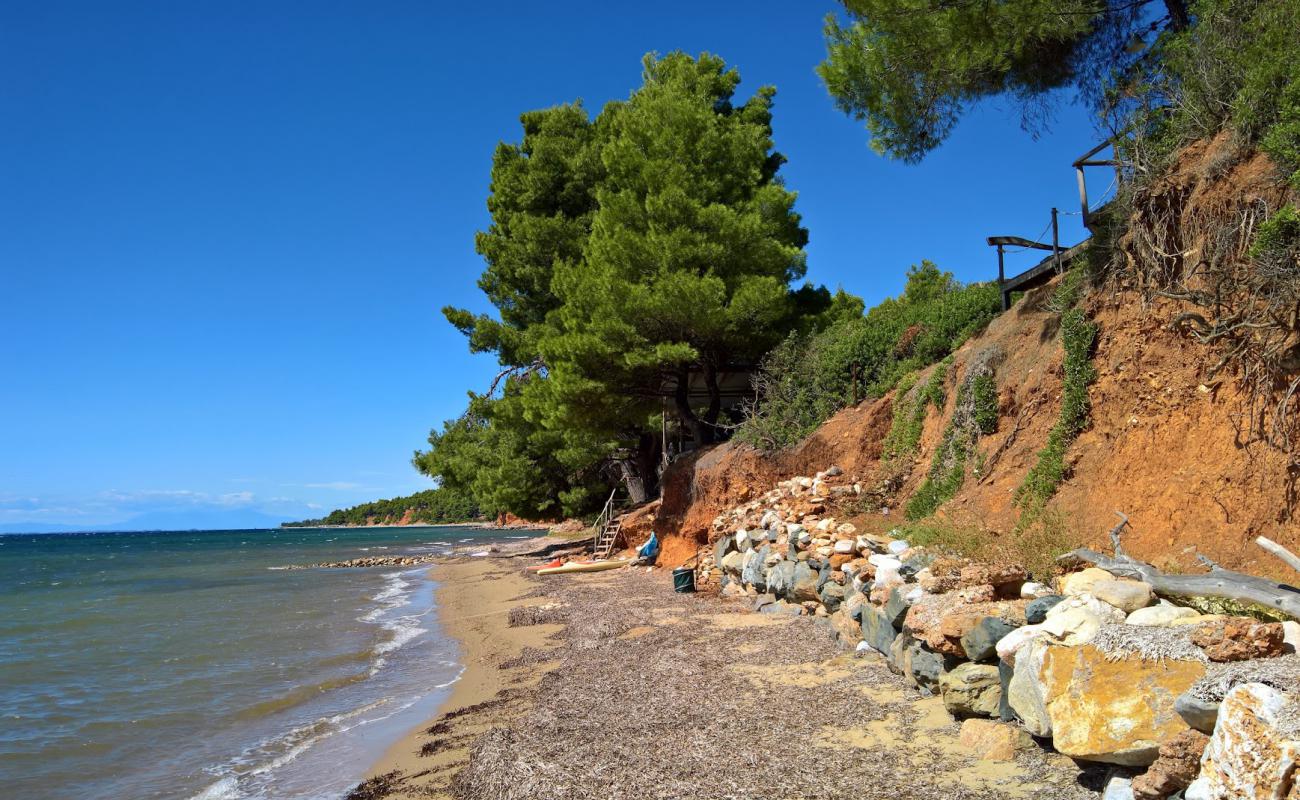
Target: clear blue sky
point(226, 228)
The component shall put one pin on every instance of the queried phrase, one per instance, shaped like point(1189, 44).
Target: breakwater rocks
point(1175, 700)
point(370, 561)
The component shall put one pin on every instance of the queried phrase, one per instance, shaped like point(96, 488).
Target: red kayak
point(559, 562)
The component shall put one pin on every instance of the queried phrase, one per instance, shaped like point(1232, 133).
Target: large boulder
point(780, 578)
point(832, 595)
point(971, 690)
point(804, 586)
point(1255, 747)
point(1159, 616)
point(1127, 596)
point(980, 642)
point(876, 630)
point(1113, 708)
point(733, 563)
point(1079, 623)
point(924, 667)
point(896, 607)
point(1026, 693)
point(1077, 583)
point(754, 573)
point(959, 623)
point(721, 548)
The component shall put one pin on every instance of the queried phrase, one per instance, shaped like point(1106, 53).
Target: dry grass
point(1035, 546)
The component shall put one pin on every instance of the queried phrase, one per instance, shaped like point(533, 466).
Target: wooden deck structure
point(1060, 257)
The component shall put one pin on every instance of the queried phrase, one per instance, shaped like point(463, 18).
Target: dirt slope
point(1164, 445)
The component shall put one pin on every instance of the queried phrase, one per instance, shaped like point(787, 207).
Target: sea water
point(193, 665)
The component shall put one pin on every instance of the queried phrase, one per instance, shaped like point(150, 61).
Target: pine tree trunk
point(701, 432)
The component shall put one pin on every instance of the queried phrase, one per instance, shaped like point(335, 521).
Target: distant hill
point(431, 507)
point(190, 520)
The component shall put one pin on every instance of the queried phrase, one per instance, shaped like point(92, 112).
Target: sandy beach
point(652, 693)
point(475, 597)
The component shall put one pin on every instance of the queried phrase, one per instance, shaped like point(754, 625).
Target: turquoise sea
point(192, 665)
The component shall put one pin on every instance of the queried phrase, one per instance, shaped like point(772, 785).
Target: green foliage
point(809, 377)
point(974, 414)
point(911, 401)
point(1235, 68)
point(1078, 334)
point(911, 68)
point(434, 506)
point(495, 454)
point(1279, 234)
point(984, 397)
point(627, 255)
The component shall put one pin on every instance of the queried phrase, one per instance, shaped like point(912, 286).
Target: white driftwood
point(1289, 558)
point(1217, 583)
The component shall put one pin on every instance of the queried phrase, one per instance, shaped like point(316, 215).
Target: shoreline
point(474, 598)
point(619, 670)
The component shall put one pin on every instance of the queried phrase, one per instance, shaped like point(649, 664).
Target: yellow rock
point(1113, 711)
point(993, 741)
point(1077, 583)
point(1254, 750)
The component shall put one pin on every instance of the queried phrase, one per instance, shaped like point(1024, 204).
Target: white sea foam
point(224, 789)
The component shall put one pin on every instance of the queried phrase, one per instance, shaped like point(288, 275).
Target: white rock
point(1009, 645)
point(1118, 788)
point(770, 520)
point(1032, 591)
point(1291, 636)
point(886, 569)
point(826, 524)
point(1077, 625)
point(844, 546)
point(862, 646)
point(898, 546)
point(742, 536)
point(1128, 596)
point(1105, 611)
point(1254, 748)
point(1158, 616)
point(805, 483)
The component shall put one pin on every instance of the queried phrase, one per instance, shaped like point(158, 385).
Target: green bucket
point(684, 580)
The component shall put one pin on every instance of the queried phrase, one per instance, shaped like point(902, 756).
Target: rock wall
point(1101, 666)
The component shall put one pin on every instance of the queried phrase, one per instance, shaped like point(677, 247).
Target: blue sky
point(228, 226)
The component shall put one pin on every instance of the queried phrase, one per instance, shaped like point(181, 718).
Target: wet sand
point(474, 601)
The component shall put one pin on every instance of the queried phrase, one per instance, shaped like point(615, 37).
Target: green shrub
point(1278, 234)
point(808, 378)
point(975, 414)
point(1078, 335)
point(911, 400)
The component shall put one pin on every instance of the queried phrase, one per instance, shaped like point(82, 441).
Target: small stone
point(832, 595)
point(1197, 712)
point(1177, 765)
point(1290, 636)
point(993, 741)
point(1032, 590)
point(1127, 596)
point(844, 547)
point(1037, 609)
point(1118, 787)
point(971, 690)
point(1159, 616)
point(898, 546)
point(1239, 639)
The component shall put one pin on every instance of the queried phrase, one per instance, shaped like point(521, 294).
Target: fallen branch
point(1281, 552)
point(1270, 597)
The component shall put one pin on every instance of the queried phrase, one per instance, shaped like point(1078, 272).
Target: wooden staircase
point(608, 528)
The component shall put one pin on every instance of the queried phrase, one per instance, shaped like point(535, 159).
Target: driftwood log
point(1225, 587)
